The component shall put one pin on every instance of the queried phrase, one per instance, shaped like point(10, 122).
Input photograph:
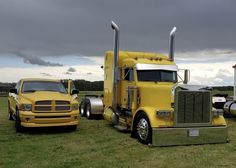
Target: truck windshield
point(157, 75)
point(33, 86)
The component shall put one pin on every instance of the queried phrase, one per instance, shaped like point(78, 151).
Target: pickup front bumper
point(49, 119)
point(189, 136)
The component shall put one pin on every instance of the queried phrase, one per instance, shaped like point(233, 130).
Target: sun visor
point(156, 67)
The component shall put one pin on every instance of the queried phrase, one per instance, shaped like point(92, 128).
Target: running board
point(122, 128)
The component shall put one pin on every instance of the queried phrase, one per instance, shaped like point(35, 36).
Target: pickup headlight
point(74, 107)
point(26, 107)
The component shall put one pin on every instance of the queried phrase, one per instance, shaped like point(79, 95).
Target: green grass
point(96, 144)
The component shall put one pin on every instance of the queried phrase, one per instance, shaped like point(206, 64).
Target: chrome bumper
point(189, 136)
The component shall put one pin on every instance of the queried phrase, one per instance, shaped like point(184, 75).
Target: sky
point(67, 39)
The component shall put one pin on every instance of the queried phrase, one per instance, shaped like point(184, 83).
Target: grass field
point(96, 144)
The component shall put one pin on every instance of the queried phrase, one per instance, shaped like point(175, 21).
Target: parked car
point(43, 103)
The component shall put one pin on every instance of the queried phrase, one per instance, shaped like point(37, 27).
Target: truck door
point(69, 85)
point(126, 81)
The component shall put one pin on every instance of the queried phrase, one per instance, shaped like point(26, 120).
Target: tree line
point(81, 85)
point(84, 85)
point(223, 88)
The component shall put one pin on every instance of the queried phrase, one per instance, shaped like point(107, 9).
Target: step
point(121, 128)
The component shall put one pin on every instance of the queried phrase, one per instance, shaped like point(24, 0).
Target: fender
point(155, 121)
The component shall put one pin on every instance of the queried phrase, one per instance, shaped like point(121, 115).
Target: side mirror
point(186, 76)
point(13, 91)
point(74, 91)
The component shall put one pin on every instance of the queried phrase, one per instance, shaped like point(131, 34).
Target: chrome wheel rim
point(88, 111)
point(82, 110)
point(143, 129)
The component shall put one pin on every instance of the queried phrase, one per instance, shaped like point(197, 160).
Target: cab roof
point(132, 58)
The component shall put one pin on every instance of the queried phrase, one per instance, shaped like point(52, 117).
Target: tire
point(18, 126)
point(143, 130)
point(89, 115)
point(82, 109)
point(10, 117)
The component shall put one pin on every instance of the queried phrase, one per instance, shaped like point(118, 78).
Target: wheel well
point(135, 118)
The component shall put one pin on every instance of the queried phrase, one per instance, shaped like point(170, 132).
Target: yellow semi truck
point(142, 94)
point(43, 103)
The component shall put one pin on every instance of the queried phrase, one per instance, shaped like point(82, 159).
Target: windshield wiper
point(55, 91)
point(167, 81)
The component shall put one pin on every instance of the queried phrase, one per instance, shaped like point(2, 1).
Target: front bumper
point(189, 136)
point(50, 119)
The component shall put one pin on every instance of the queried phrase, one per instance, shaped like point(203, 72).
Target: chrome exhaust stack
point(115, 63)
point(234, 82)
point(172, 44)
point(230, 106)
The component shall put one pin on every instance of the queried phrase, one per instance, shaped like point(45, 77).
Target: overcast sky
point(67, 39)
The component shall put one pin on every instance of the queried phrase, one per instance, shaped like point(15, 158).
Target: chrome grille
point(47, 102)
point(52, 106)
point(43, 108)
point(193, 107)
point(59, 102)
point(62, 108)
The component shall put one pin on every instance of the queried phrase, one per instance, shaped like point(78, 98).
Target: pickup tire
point(10, 117)
point(143, 130)
point(18, 126)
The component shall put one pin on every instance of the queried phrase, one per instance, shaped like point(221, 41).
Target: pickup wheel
point(18, 126)
point(89, 115)
point(10, 117)
point(82, 109)
point(143, 130)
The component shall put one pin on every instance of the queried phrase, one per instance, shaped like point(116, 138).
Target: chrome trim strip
point(183, 136)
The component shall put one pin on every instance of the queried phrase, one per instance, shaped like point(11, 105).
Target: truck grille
point(193, 107)
point(52, 106)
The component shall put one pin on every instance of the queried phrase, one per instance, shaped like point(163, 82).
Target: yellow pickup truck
point(43, 103)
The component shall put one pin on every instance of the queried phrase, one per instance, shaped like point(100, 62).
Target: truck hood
point(45, 95)
point(157, 95)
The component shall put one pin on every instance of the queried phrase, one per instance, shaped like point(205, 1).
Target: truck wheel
point(10, 117)
point(88, 110)
point(18, 126)
point(82, 109)
point(143, 129)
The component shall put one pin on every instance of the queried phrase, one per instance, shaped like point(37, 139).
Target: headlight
point(26, 107)
point(74, 107)
point(163, 113)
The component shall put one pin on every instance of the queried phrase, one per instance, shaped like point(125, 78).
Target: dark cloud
point(68, 73)
point(89, 73)
point(71, 69)
point(34, 60)
point(49, 27)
